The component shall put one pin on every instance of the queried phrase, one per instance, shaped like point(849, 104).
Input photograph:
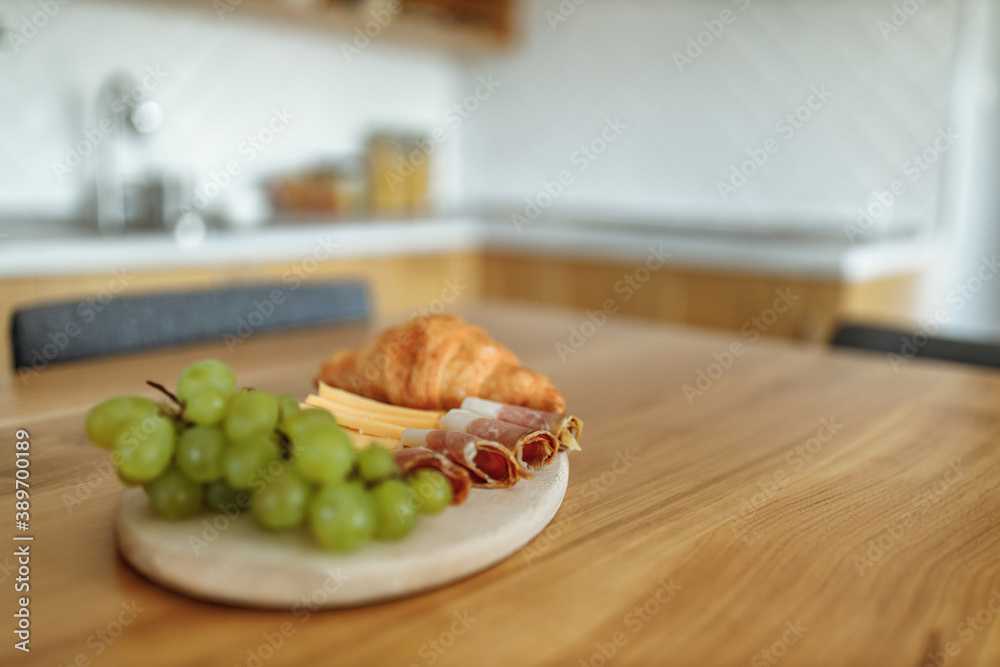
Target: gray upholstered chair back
point(901, 346)
point(52, 333)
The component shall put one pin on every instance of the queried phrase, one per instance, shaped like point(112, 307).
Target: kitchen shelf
point(419, 23)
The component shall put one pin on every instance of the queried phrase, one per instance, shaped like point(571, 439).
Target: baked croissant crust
point(433, 363)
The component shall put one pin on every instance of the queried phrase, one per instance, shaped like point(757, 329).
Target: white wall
point(687, 129)
point(224, 78)
point(961, 291)
point(608, 59)
point(892, 91)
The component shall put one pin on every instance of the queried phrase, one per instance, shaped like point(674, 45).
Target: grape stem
point(179, 416)
point(159, 387)
point(285, 444)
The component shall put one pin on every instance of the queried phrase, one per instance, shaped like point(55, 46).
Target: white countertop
point(323, 242)
point(766, 255)
point(819, 259)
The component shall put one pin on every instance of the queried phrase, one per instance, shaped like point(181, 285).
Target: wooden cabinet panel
point(769, 305)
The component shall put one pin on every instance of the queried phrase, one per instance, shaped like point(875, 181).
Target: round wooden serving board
point(236, 562)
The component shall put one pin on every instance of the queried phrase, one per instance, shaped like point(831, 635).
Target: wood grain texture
point(225, 558)
point(692, 531)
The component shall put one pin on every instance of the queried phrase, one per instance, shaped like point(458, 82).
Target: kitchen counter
point(140, 251)
point(801, 256)
point(813, 506)
point(820, 258)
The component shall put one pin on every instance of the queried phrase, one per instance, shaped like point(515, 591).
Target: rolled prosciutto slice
point(566, 428)
point(491, 465)
point(415, 458)
point(532, 448)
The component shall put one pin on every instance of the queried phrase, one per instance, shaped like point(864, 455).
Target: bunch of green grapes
point(218, 447)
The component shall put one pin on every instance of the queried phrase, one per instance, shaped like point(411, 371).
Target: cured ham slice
point(566, 428)
point(415, 458)
point(491, 465)
point(532, 448)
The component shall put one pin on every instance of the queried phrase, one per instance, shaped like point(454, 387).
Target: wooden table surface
point(808, 508)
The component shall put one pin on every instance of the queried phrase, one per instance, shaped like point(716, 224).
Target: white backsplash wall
point(960, 295)
point(552, 92)
point(223, 80)
point(686, 130)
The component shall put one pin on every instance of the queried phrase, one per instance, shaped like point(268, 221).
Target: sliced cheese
point(358, 439)
point(349, 400)
point(361, 441)
point(426, 421)
point(364, 426)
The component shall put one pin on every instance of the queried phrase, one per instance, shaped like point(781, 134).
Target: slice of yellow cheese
point(348, 400)
point(364, 426)
point(421, 421)
point(361, 441)
point(358, 440)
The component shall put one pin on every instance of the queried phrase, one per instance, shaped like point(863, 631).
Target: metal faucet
point(129, 118)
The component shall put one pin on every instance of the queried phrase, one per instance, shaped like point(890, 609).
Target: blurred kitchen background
point(685, 160)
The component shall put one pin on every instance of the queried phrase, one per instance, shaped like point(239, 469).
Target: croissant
point(434, 362)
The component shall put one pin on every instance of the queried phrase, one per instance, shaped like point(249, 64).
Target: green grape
point(251, 413)
point(199, 453)
point(221, 497)
point(207, 405)
point(323, 455)
point(288, 407)
point(173, 495)
point(207, 372)
point(433, 490)
point(282, 503)
point(143, 451)
point(376, 463)
point(246, 462)
point(125, 480)
point(342, 517)
point(395, 509)
point(107, 418)
point(305, 420)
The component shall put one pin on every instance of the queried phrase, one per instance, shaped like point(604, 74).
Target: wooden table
point(807, 508)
